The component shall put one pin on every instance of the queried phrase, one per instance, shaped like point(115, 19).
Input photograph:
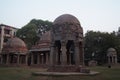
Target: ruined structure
point(14, 52)
point(66, 52)
point(40, 52)
point(112, 56)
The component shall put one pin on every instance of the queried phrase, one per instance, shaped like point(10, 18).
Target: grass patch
point(15, 73)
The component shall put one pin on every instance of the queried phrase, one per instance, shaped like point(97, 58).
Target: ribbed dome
point(44, 42)
point(15, 45)
point(66, 18)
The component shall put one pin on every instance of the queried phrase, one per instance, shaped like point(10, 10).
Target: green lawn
point(14, 73)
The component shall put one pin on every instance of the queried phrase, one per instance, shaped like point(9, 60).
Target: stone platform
point(68, 68)
point(92, 73)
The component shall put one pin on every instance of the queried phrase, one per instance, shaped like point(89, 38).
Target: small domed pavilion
point(112, 56)
point(66, 44)
point(14, 52)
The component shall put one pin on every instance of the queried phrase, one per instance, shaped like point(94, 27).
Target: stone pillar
point(38, 58)
point(109, 60)
point(115, 59)
point(64, 55)
point(47, 61)
point(59, 58)
point(26, 59)
point(42, 58)
point(32, 58)
point(70, 59)
point(77, 55)
point(18, 58)
point(112, 59)
point(81, 53)
point(1, 59)
point(52, 54)
point(7, 61)
point(56, 55)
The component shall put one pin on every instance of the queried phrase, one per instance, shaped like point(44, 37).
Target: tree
point(31, 32)
point(98, 43)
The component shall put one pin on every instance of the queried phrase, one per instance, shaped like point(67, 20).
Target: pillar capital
point(63, 43)
point(52, 44)
point(76, 43)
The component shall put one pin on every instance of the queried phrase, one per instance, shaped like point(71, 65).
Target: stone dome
point(66, 18)
point(46, 36)
point(111, 52)
point(67, 27)
point(15, 45)
point(43, 43)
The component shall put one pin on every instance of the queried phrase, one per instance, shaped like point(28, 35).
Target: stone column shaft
point(26, 59)
point(47, 61)
point(18, 59)
point(109, 60)
point(64, 55)
point(70, 58)
point(7, 62)
point(52, 55)
point(77, 56)
point(56, 56)
point(42, 58)
point(112, 59)
point(115, 59)
point(38, 58)
point(81, 55)
point(1, 59)
point(32, 58)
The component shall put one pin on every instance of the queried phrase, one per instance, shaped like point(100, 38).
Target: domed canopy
point(111, 52)
point(44, 43)
point(67, 27)
point(66, 18)
point(15, 45)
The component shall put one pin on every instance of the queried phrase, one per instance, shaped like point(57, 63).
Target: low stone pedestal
point(68, 68)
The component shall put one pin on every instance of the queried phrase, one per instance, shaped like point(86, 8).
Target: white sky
point(102, 15)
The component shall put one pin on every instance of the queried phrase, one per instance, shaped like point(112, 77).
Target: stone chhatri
point(66, 44)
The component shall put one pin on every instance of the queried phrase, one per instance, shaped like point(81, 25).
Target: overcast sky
point(97, 15)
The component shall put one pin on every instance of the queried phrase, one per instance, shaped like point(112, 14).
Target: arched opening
point(110, 59)
point(58, 52)
point(70, 52)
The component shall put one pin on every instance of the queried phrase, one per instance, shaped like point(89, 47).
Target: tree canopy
point(31, 32)
point(97, 43)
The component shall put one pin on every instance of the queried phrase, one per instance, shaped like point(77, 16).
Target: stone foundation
point(13, 65)
point(68, 68)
